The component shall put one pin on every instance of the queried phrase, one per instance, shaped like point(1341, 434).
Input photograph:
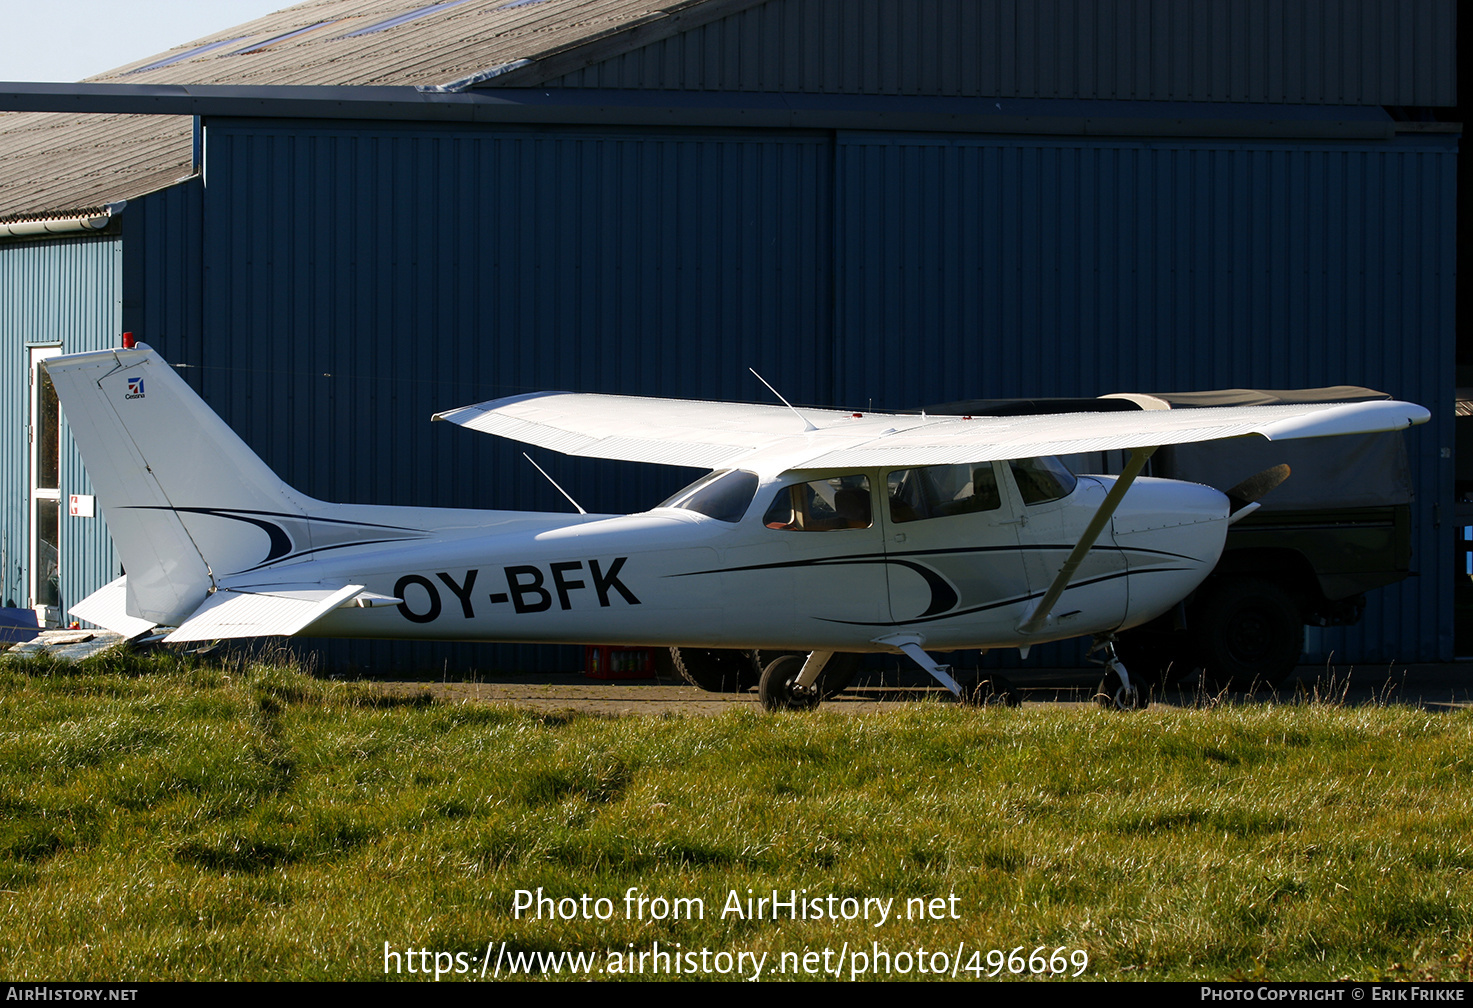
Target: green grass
point(171, 819)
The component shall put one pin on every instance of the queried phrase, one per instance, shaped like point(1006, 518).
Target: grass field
point(169, 819)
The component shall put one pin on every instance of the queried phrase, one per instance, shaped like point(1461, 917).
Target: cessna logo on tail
point(135, 388)
point(528, 588)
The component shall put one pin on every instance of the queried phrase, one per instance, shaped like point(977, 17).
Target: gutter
point(91, 220)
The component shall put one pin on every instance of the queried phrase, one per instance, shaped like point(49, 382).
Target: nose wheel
point(1114, 695)
point(1116, 691)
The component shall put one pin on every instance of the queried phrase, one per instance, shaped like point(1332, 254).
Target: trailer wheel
point(716, 670)
point(1245, 633)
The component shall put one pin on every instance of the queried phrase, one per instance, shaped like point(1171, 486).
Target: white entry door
point(45, 492)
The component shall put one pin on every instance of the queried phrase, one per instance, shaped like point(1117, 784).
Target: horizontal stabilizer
point(775, 438)
point(107, 608)
point(267, 611)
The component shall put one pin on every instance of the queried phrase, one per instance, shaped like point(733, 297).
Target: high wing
point(712, 435)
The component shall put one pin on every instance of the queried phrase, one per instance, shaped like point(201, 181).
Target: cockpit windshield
point(721, 495)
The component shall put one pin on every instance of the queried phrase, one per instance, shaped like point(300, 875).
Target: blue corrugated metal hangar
point(342, 217)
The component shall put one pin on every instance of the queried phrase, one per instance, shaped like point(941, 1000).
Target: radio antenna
point(807, 424)
point(554, 484)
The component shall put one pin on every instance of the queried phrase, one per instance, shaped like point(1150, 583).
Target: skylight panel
point(208, 47)
point(404, 18)
point(268, 43)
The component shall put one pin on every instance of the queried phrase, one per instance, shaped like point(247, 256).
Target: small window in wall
point(1041, 480)
point(941, 491)
point(823, 505)
point(48, 433)
point(48, 537)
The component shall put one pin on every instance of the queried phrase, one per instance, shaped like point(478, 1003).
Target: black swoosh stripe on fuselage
point(281, 547)
point(934, 579)
point(883, 557)
point(924, 618)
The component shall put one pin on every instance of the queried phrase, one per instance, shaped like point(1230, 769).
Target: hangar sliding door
point(993, 267)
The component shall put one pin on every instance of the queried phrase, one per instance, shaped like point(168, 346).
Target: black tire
point(716, 670)
point(664, 661)
point(838, 672)
point(778, 689)
point(1110, 693)
point(1245, 633)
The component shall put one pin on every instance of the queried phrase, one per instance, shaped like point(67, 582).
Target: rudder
point(162, 464)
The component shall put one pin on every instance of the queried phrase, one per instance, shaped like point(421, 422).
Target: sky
point(66, 40)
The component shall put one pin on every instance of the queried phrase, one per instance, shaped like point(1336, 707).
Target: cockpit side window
point(943, 490)
point(724, 496)
point(823, 505)
point(1043, 479)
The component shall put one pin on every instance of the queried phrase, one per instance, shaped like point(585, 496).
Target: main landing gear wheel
point(779, 689)
point(838, 672)
point(716, 670)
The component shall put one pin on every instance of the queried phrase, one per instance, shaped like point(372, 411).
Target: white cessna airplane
point(817, 531)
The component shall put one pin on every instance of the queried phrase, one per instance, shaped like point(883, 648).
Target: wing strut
point(1035, 620)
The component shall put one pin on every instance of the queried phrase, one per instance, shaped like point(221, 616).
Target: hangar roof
point(58, 164)
point(1354, 56)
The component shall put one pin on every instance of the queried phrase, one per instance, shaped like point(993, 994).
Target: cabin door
point(957, 572)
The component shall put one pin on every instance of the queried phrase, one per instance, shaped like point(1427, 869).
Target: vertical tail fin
point(164, 467)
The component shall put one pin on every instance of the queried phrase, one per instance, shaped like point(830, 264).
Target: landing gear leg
point(790, 682)
point(1115, 690)
point(910, 645)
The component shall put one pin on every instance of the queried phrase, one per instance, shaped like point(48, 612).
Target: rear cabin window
point(940, 491)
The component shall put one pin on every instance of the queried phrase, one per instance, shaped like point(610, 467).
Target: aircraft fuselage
point(680, 577)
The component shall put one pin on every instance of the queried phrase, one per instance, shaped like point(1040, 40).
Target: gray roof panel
point(54, 162)
point(1343, 53)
